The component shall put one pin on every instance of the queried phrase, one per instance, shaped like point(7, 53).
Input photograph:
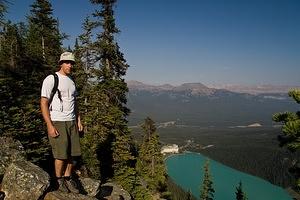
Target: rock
point(24, 180)
point(10, 150)
point(90, 186)
point(56, 195)
point(111, 191)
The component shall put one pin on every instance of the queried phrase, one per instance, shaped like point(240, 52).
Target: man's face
point(67, 66)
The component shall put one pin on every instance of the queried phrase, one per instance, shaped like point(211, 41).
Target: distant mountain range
point(193, 88)
point(199, 88)
point(195, 104)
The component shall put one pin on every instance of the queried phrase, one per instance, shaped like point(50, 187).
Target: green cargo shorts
point(67, 143)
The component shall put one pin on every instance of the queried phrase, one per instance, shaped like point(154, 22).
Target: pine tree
point(207, 191)
point(112, 112)
point(189, 195)
point(44, 39)
point(95, 145)
point(240, 194)
point(150, 164)
point(291, 132)
point(79, 73)
point(11, 47)
point(87, 53)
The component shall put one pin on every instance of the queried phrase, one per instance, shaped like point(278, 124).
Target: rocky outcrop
point(24, 180)
point(10, 151)
point(67, 196)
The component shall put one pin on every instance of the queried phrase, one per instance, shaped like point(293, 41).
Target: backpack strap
point(54, 90)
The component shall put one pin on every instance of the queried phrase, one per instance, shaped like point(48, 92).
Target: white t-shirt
point(61, 110)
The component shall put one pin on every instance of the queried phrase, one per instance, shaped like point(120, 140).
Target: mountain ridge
point(195, 104)
point(199, 88)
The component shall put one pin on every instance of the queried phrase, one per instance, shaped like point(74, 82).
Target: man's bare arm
point(79, 124)
point(52, 132)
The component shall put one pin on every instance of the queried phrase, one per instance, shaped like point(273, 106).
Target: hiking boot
point(62, 185)
point(71, 185)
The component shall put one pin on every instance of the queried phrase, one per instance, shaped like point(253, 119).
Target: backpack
point(54, 90)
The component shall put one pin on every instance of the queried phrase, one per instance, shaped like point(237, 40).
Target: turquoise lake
point(187, 171)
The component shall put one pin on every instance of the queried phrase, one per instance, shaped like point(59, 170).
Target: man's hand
point(52, 132)
point(80, 127)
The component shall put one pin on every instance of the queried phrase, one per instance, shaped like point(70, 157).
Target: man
point(63, 122)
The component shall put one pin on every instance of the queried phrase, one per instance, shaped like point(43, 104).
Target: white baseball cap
point(67, 56)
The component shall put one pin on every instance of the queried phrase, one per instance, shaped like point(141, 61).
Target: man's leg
point(74, 147)
point(70, 182)
point(60, 153)
point(69, 168)
point(60, 166)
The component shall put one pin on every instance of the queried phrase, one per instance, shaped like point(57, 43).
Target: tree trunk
point(43, 48)
point(152, 166)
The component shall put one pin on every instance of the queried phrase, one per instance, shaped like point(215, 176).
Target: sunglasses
point(68, 62)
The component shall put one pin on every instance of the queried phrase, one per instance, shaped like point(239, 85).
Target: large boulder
point(112, 191)
point(24, 180)
point(56, 195)
point(10, 150)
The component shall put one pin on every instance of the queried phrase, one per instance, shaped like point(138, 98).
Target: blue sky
point(246, 42)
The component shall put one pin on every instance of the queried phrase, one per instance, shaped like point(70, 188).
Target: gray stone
point(56, 195)
point(10, 151)
point(91, 186)
point(112, 191)
point(24, 180)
